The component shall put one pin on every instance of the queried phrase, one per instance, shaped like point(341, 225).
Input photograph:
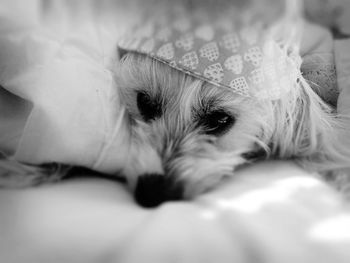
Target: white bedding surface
point(57, 58)
point(270, 212)
point(330, 12)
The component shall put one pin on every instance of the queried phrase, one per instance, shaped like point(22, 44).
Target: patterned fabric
point(251, 59)
point(320, 72)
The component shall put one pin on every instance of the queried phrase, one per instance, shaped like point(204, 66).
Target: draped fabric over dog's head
point(249, 49)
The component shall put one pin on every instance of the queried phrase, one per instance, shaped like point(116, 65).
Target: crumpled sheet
point(56, 56)
point(270, 212)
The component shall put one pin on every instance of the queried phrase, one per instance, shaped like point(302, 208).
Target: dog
point(189, 132)
point(188, 135)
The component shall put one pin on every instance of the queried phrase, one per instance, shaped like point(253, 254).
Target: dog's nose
point(155, 189)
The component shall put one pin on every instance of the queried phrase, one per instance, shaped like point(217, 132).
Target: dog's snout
point(155, 189)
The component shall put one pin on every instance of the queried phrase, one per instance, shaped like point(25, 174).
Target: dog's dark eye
point(149, 108)
point(217, 122)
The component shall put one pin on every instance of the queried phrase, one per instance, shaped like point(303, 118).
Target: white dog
point(189, 131)
point(188, 134)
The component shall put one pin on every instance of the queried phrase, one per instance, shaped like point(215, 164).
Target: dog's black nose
point(154, 189)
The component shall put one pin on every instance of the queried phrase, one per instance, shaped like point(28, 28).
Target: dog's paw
point(14, 174)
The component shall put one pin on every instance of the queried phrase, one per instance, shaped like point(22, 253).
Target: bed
point(269, 212)
point(272, 212)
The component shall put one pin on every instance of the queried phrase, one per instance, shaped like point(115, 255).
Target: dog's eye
point(149, 109)
point(217, 122)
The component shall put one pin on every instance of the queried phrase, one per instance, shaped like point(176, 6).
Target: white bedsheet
point(56, 55)
point(270, 212)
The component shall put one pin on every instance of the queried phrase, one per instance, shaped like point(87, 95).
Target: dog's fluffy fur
point(175, 141)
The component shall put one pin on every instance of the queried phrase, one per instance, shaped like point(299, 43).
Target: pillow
point(270, 212)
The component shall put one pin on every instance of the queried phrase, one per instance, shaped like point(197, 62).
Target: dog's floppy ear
point(308, 129)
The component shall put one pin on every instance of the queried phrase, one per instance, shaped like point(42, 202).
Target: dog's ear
point(308, 129)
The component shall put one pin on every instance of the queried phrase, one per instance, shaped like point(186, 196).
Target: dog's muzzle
point(154, 189)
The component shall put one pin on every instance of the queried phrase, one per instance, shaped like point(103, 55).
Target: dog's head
point(186, 135)
point(184, 130)
point(202, 100)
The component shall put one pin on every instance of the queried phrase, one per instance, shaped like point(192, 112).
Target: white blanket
point(270, 213)
point(56, 55)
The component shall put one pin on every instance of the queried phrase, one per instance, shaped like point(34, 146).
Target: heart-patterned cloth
point(253, 59)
